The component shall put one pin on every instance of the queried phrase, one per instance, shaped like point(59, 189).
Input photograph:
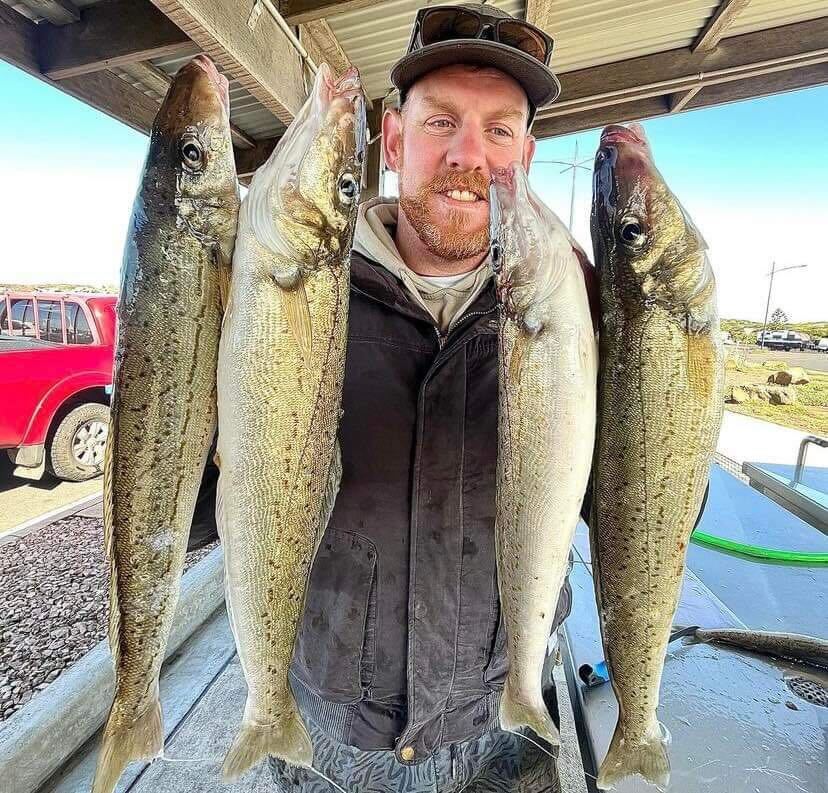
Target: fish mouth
point(618, 133)
point(219, 81)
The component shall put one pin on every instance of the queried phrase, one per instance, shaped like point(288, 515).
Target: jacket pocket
point(335, 650)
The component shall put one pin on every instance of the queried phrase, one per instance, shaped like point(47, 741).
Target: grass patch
point(809, 413)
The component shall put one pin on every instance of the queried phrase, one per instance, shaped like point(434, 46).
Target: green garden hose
point(757, 552)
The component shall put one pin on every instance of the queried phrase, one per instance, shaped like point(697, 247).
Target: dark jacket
point(402, 643)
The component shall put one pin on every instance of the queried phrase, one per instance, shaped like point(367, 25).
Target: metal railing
point(800, 457)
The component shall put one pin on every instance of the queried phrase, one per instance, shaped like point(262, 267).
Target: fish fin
point(142, 740)
point(516, 359)
point(648, 759)
point(298, 316)
point(701, 364)
point(114, 626)
point(514, 714)
point(288, 741)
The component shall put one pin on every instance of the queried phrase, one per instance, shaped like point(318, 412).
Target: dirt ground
point(22, 500)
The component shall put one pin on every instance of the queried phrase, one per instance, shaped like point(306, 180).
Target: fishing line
point(534, 743)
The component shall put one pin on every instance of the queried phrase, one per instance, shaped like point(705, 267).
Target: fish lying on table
point(163, 415)
point(281, 368)
point(546, 416)
point(792, 646)
point(660, 400)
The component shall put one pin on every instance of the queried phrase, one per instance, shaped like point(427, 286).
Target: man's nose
point(467, 151)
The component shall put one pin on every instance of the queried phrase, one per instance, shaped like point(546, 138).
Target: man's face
point(458, 123)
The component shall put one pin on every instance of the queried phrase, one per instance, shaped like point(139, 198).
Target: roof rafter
point(298, 12)
point(715, 27)
point(58, 12)
point(652, 106)
point(102, 90)
point(791, 47)
point(252, 49)
point(108, 34)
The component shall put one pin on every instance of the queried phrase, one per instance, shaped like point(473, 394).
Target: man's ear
point(392, 123)
point(528, 152)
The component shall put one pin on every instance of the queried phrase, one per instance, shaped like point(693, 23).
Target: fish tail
point(288, 741)
point(141, 740)
point(515, 714)
point(648, 758)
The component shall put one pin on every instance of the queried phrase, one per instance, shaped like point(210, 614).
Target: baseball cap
point(481, 35)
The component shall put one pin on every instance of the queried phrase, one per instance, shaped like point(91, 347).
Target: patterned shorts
point(497, 762)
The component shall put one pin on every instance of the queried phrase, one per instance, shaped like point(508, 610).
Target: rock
point(794, 375)
point(782, 395)
point(738, 395)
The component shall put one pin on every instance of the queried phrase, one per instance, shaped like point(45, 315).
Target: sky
point(752, 175)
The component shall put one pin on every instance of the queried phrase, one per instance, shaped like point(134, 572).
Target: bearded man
point(400, 658)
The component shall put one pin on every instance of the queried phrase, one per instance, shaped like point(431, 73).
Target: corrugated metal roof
point(761, 14)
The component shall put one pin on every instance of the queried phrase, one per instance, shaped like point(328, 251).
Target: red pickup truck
point(56, 361)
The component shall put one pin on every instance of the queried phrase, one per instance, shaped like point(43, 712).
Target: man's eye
point(442, 123)
point(502, 132)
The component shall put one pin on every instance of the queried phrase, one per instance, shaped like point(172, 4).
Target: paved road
point(22, 500)
point(815, 361)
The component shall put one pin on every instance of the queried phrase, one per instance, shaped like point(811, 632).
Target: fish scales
point(281, 370)
point(546, 419)
point(163, 411)
point(660, 401)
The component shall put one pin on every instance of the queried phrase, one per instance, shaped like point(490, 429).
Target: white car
point(822, 345)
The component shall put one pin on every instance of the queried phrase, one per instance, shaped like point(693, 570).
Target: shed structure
point(618, 60)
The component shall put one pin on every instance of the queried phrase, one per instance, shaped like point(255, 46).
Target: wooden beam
point(18, 40)
point(298, 12)
point(763, 85)
point(58, 12)
point(370, 187)
point(650, 107)
point(108, 34)
point(323, 46)
point(248, 160)
point(680, 70)
point(678, 100)
point(113, 96)
point(262, 60)
point(103, 90)
point(541, 14)
point(599, 117)
point(717, 25)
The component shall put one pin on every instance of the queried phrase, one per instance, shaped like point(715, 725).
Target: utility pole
point(572, 165)
point(770, 286)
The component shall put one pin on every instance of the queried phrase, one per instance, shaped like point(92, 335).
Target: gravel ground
point(54, 595)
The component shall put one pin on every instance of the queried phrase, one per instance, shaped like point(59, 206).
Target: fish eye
point(192, 153)
point(631, 233)
point(348, 188)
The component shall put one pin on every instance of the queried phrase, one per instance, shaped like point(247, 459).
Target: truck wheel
point(77, 449)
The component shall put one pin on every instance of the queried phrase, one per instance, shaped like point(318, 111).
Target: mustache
point(471, 181)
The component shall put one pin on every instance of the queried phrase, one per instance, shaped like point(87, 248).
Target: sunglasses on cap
point(447, 23)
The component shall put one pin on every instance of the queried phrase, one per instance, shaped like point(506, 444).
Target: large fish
point(660, 399)
point(546, 415)
point(281, 368)
point(163, 417)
